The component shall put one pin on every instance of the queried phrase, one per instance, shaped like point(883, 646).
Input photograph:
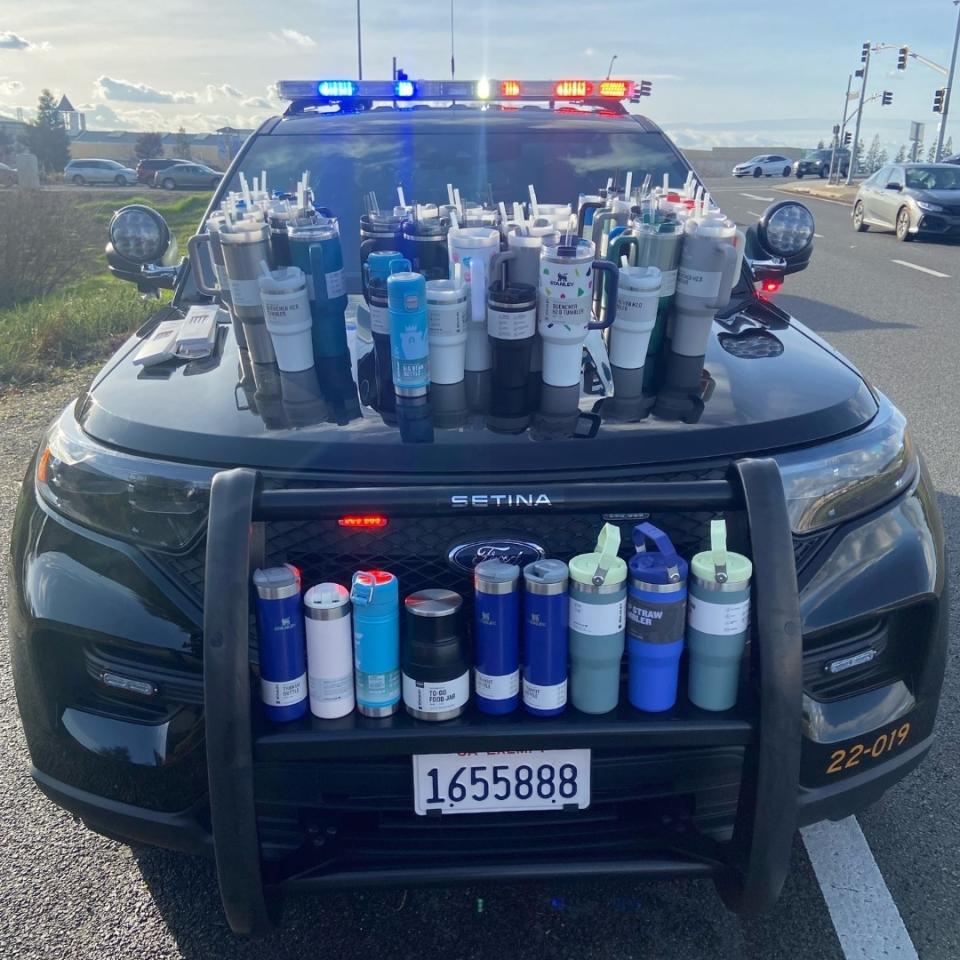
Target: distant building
point(14, 127)
point(74, 121)
point(215, 149)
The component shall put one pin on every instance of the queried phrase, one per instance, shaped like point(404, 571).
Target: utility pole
point(359, 47)
point(838, 138)
point(865, 58)
point(946, 101)
point(453, 68)
point(610, 68)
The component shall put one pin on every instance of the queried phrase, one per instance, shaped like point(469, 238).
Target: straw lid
point(374, 588)
point(277, 583)
point(659, 567)
point(327, 601)
point(284, 280)
point(640, 279)
point(719, 565)
point(446, 291)
point(602, 567)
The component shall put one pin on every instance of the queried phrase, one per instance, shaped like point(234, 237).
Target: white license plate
point(500, 781)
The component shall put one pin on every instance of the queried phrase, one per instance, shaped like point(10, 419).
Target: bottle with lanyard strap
point(597, 611)
point(656, 614)
point(719, 618)
point(375, 597)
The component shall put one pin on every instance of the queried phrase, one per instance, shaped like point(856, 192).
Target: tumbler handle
point(621, 241)
point(498, 263)
point(727, 278)
point(643, 532)
point(587, 205)
point(612, 279)
point(198, 263)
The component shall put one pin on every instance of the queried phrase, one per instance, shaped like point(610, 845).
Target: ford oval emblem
point(465, 556)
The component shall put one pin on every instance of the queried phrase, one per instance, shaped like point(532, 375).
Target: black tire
point(902, 227)
point(214, 183)
point(78, 181)
point(169, 184)
point(824, 170)
point(757, 172)
point(799, 174)
point(786, 171)
point(120, 180)
point(858, 223)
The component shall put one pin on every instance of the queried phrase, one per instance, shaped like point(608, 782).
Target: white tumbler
point(329, 650)
point(447, 308)
point(286, 310)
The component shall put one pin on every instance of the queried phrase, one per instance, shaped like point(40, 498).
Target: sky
point(723, 74)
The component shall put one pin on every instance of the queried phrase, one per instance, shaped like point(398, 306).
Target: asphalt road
point(65, 892)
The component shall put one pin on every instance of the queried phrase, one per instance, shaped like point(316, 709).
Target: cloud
point(223, 92)
point(10, 88)
point(257, 103)
point(12, 41)
point(295, 36)
point(108, 88)
point(589, 52)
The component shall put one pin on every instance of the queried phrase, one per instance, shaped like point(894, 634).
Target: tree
point(883, 158)
point(948, 147)
point(182, 144)
point(149, 145)
point(932, 153)
point(901, 156)
point(870, 161)
point(47, 137)
point(820, 144)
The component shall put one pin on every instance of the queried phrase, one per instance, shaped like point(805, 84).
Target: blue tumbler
point(315, 249)
point(496, 636)
point(410, 351)
point(656, 615)
point(375, 597)
point(545, 637)
point(283, 657)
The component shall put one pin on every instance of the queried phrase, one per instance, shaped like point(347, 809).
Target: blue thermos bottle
point(283, 657)
point(496, 636)
point(315, 249)
point(375, 597)
point(656, 617)
point(376, 270)
point(410, 351)
point(545, 637)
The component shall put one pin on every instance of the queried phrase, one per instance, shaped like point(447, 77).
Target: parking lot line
point(753, 196)
point(916, 266)
point(867, 921)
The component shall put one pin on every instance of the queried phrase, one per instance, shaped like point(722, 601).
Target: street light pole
point(610, 68)
point(359, 47)
point(452, 62)
point(838, 140)
point(856, 134)
point(946, 102)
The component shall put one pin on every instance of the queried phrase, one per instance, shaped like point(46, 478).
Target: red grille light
point(365, 521)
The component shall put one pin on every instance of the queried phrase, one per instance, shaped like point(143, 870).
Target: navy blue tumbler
point(496, 636)
point(545, 637)
point(656, 618)
point(283, 657)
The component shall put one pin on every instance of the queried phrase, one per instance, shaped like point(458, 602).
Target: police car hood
point(768, 384)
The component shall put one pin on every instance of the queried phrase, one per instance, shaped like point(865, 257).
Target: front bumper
point(336, 801)
point(936, 224)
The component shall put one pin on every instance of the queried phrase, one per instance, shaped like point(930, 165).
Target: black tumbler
point(512, 326)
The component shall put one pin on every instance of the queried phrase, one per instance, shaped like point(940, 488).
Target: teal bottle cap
point(719, 565)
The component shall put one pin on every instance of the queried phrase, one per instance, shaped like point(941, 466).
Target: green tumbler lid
point(602, 567)
point(719, 565)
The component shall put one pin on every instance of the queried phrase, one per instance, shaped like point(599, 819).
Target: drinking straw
point(518, 214)
point(534, 206)
point(666, 182)
point(454, 222)
point(301, 199)
point(245, 189)
point(264, 269)
point(263, 181)
point(503, 211)
point(571, 228)
point(374, 205)
point(628, 185)
point(450, 199)
point(400, 196)
point(645, 189)
point(457, 201)
point(457, 276)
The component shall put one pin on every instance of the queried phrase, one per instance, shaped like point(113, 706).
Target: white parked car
point(80, 172)
point(765, 165)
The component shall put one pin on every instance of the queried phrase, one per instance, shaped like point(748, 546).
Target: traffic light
point(847, 138)
point(938, 98)
point(902, 58)
point(858, 73)
point(645, 88)
point(886, 99)
point(865, 52)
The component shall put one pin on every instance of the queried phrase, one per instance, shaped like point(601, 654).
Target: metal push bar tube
point(760, 850)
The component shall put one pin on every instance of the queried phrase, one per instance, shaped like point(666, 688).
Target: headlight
point(929, 207)
point(835, 482)
point(150, 502)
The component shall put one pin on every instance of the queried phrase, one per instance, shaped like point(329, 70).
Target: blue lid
point(407, 291)
point(378, 263)
point(660, 566)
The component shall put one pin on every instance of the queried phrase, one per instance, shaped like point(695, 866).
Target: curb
point(844, 195)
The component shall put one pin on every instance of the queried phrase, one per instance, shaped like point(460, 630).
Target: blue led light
point(404, 88)
point(336, 88)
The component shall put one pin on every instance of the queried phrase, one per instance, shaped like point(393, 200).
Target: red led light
point(572, 88)
point(365, 521)
point(771, 286)
point(509, 88)
point(614, 88)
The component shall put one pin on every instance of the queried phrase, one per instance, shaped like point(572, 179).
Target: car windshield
point(933, 178)
point(483, 163)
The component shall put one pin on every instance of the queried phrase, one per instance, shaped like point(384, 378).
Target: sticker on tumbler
point(337, 286)
point(597, 619)
point(379, 320)
point(502, 325)
point(245, 293)
point(283, 693)
point(497, 687)
point(722, 619)
point(668, 283)
point(655, 622)
point(698, 283)
point(327, 690)
point(544, 696)
point(436, 697)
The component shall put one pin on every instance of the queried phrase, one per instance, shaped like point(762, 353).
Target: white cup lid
point(284, 280)
point(641, 278)
point(446, 291)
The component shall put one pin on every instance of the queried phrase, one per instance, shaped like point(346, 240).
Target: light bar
point(483, 89)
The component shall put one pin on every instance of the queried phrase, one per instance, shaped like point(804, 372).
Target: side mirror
point(781, 242)
point(142, 250)
point(895, 186)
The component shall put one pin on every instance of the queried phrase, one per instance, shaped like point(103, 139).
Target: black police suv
point(158, 490)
